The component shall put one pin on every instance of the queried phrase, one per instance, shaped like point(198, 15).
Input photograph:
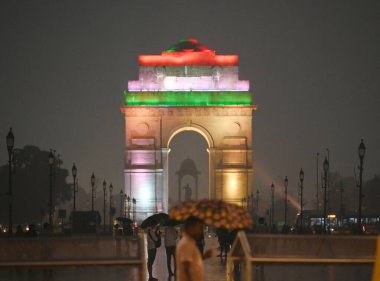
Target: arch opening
point(188, 166)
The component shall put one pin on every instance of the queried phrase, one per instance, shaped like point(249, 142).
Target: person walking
point(154, 242)
point(222, 234)
point(201, 242)
point(189, 260)
point(170, 239)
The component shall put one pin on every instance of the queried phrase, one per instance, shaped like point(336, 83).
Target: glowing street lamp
point(92, 191)
point(51, 163)
point(325, 169)
point(10, 144)
point(361, 150)
point(74, 172)
point(301, 175)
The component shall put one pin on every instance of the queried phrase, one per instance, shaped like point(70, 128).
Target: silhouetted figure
point(19, 232)
point(46, 230)
point(127, 228)
point(188, 192)
point(222, 234)
point(32, 231)
point(231, 237)
point(201, 243)
point(170, 239)
point(154, 241)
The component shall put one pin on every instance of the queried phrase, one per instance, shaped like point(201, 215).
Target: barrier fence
point(83, 258)
point(303, 257)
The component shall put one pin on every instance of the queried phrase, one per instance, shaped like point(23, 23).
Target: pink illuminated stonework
point(187, 87)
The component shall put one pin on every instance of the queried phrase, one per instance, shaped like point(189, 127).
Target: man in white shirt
point(189, 260)
point(170, 243)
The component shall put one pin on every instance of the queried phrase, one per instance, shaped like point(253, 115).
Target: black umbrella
point(154, 219)
point(171, 222)
point(124, 220)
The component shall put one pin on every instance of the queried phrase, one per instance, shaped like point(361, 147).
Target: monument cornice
point(157, 111)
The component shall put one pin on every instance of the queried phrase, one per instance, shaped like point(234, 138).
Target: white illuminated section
point(183, 79)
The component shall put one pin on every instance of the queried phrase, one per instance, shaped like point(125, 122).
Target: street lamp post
point(134, 209)
point(272, 211)
point(92, 191)
point(257, 202)
point(325, 170)
point(74, 172)
point(110, 210)
point(361, 151)
point(51, 163)
point(302, 176)
point(104, 204)
point(286, 182)
point(121, 202)
point(129, 206)
point(10, 144)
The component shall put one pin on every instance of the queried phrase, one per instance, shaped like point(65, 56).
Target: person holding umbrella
point(154, 242)
point(189, 261)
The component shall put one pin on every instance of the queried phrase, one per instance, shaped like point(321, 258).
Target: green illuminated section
point(191, 98)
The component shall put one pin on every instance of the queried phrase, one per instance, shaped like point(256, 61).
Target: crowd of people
point(185, 246)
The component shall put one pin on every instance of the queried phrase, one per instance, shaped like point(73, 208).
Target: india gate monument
point(188, 87)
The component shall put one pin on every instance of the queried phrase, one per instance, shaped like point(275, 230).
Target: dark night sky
point(313, 66)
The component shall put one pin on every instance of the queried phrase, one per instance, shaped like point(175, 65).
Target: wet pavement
point(215, 267)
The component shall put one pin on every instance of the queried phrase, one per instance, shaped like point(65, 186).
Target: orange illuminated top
point(188, 52)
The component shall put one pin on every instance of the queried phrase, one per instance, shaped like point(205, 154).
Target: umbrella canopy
point(124, 220)
point(171, 222)
point(216, 213)
point(156, 218)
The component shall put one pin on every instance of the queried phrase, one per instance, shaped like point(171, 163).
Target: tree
point(30, 185)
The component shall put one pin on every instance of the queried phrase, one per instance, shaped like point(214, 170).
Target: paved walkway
point(215, 268)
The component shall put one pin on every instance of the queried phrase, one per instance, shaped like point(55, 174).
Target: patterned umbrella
point(213, 212)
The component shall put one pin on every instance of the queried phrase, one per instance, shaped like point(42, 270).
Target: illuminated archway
point(187, 87)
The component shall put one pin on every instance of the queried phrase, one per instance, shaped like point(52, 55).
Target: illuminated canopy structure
point(187, 87)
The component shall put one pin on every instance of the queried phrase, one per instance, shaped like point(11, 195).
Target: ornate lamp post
point(361, 151)
point(121, 202)
point(74, 173)
point(134, 209)
point(325, 170)
point(129, 206)
point(257, 201)
point(272, 211)
point(110, 210)
point(51, 163)
point(104, 204)
point(10, 144)
point(92, 191)
point(286, 182)
point(301, 175)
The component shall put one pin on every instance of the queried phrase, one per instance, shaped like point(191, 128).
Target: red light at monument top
point(188, 52)
point(188, 74)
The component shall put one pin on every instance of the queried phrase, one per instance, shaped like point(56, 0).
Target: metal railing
point(76, 253)
point(270, 257)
